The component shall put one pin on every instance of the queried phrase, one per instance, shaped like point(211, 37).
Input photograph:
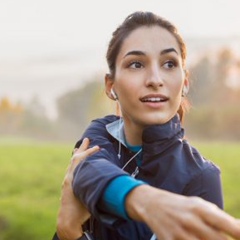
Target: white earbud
point(114, 95)
point(184, 91)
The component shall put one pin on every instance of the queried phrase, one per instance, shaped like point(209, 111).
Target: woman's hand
point(72, 213)
point(175, 217)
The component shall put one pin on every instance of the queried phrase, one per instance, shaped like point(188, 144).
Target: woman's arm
point(90, 178)
point(72, 213)
point(207, 185)
point(172, 216)
point(167, 214)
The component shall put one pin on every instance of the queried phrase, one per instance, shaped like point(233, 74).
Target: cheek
point(177, 85)
point(127, 86)
point(176, 89)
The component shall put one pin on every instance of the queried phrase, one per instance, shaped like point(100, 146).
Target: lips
point(154, 98)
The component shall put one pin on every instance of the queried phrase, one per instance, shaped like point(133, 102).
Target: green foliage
point(78, 107)
point(31, 174)
point(208, 122)
point(28, 121)
point(215, 113)
point(202, 85)
point(10, 115)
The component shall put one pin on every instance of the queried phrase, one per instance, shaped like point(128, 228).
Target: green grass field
point(31, 174)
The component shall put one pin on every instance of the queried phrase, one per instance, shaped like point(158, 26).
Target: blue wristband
point(115, 194)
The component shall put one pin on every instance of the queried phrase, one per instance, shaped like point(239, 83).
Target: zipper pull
point(135, 173)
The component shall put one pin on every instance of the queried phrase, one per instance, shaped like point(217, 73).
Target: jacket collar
point(163, 132)
point(116, 130)
point(151, 133)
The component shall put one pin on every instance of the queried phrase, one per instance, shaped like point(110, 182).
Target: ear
point(186, 82)
point(109, 85)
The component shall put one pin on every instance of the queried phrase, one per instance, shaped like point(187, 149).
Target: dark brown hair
point(132, 22)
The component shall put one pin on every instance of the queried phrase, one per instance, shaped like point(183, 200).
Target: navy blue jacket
point(169, 163)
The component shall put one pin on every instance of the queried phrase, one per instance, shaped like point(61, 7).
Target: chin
point(158, 119)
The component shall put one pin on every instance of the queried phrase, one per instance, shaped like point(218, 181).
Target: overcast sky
point(36, 27)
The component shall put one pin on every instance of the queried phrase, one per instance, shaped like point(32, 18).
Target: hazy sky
point(47, 45)
point(36, 27)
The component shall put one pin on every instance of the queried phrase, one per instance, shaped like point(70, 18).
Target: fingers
point(79, 154)
point(83, 151)
point(201, 229)
point(225, 223)
point(85, 144)
point(90, 151)
point(179, 233)
point(84, 147)
point(187, 218)
point(216, 220)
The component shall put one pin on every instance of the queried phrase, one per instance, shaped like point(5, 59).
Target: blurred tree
point(10, 115)
point(78, 107)
point(222, 91)
point(7, 106)
point(36, 108)
point(35, 123)
point(217, 101)
point(25, 121)
point(201, 75)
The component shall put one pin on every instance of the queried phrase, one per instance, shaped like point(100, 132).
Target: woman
point(142, 181)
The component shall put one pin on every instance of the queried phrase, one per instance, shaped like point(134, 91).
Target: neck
point(133, 133)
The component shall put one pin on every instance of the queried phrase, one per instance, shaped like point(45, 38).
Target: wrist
point(144, 200)
point(67, 231)
point(136, 204)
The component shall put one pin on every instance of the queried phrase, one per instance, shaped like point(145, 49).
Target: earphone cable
point(131, 158)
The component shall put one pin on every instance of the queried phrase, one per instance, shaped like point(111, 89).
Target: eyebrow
point(135, 52)
point(140, 53)
point(168, 50)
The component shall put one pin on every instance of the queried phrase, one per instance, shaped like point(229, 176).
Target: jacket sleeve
point(93, 175)
point(207, 185)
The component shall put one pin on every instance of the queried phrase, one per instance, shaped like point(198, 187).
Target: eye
point(135, 65)
point(170, 64)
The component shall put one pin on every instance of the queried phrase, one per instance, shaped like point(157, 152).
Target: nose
point(154, 78)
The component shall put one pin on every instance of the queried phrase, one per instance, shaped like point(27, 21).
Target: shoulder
point(197, 161)
point(205, 177)
point(104, 120)
point(99, 124)
point(96, 131)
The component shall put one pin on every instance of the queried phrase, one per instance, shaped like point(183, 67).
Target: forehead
point(149, 39)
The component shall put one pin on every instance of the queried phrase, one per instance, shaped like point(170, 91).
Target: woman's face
point(149, 77)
